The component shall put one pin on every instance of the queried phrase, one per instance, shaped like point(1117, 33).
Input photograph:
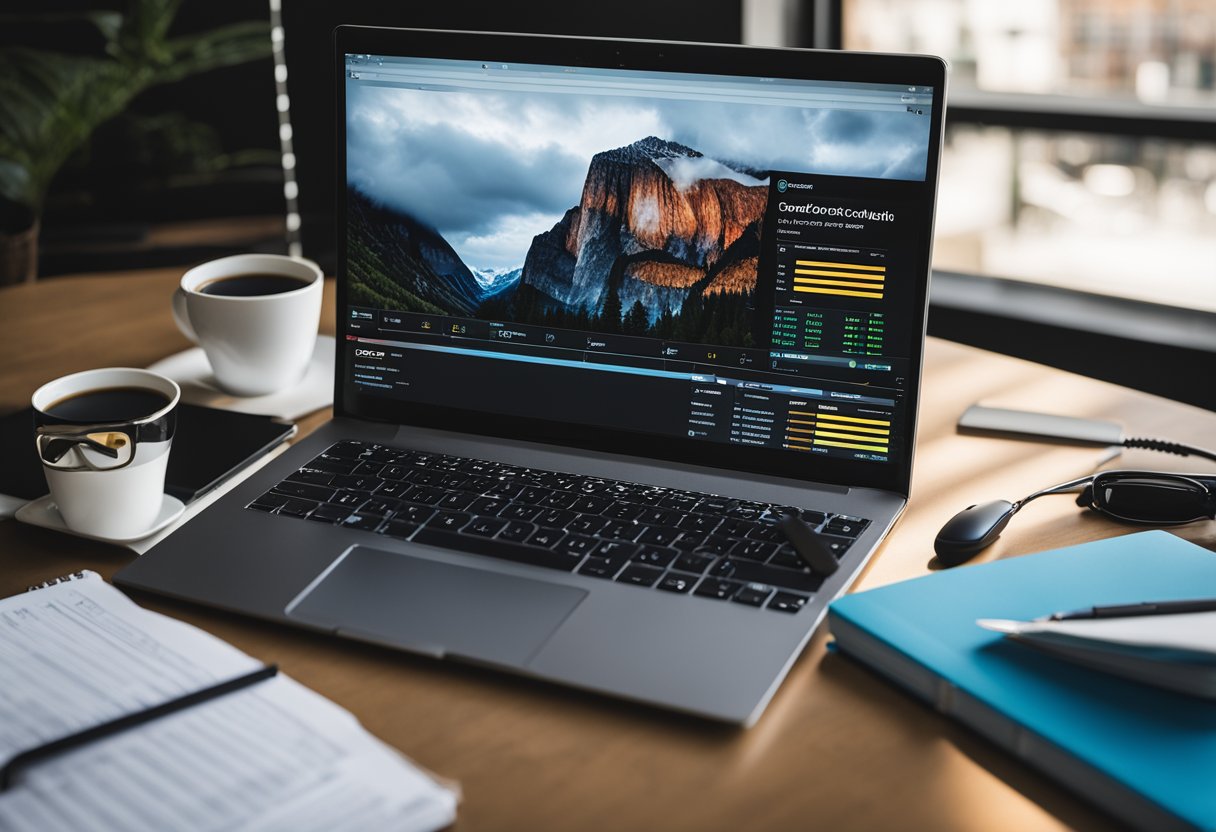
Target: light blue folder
point(1146, 755)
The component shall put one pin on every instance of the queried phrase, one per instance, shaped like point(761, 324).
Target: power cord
point(1166, 447)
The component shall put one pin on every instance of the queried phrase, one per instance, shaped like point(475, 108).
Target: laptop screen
point(689, 260)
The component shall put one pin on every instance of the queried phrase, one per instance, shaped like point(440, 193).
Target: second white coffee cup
point(255, 316)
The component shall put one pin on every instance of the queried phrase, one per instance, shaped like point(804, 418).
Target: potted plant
point(50, 102)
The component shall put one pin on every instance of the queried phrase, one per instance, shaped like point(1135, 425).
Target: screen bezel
point(803, 64)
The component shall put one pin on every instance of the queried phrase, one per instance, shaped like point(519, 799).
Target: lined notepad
point(272, 756)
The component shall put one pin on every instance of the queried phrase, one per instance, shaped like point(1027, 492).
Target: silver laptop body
point(637, 298)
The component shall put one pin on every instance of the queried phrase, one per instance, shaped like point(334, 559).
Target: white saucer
point(314, 391)
point(43, 512)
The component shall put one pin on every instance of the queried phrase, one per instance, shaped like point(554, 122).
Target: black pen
point(114, 726)
point(1144, 608)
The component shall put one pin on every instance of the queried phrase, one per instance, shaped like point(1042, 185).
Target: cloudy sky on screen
point(490, 171)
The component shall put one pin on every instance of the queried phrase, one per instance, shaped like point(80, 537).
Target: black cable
point(1168, 447)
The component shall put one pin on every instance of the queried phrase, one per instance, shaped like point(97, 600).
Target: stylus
point(808, 545)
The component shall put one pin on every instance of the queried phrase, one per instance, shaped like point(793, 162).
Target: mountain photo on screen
point(618, 214)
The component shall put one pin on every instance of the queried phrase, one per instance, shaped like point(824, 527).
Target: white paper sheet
point(273, 756)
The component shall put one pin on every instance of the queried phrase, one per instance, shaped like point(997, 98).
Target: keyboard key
point(754, 595)
point(502, 490)
point(586, 524)
point(590, 505)
point(399, 528)
point(456, 501)
point(449, 520)
point(332, 464)
point(519, 511)
point(485, 526)
point(554, 517)
point(375, 506)
point(316, 493)
point(425, 477)
point(495, 547)
point(329, 513)
point(622, 549)
point(350, 499)
point(659, 535)
point(716, 588)
point(487, 506)
point(315, 477)
point(425, 495)
point(620, 530)
point(577, 544)
point(714, 545)
point(355, 482)
point(787, 602)
point(693, 563)
point(640, 575)
point(598, 567)
point(753, 549)
point(622, 511)
point(546, 537)
point(837, 545)
point(713, 505)
point(370, 469)
point(273, 500)
point(700, 523)
point(261, 505)
point(517, 531)
point(396, 490)
point(415, 514)
point(787, 558)
point(367, 522)
point(347, 449)
point(813, 518)
point(677, 582)
point(533, 495)
point(760, 573)
point(845, 526)
point(295, 507)
point(659, 517)
point(394, 472)
point(655, 555)
point(680, 502)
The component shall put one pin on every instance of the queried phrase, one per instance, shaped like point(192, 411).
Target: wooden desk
point(837, 749)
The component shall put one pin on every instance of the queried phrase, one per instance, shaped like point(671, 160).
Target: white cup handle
point(182, 316)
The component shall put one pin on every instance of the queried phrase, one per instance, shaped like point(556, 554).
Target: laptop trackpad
point(433, 607)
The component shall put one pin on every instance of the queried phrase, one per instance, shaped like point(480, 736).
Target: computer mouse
point(972, 530)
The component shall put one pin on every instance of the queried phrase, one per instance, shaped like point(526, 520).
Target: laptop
point(608, 312)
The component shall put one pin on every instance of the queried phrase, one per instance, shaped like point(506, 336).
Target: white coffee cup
point(117, 494)
point(258, 343)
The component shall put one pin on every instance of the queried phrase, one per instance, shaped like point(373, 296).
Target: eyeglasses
point(1151, 498)
point(101, 447)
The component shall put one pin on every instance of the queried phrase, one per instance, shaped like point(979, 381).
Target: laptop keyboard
point(681, 542)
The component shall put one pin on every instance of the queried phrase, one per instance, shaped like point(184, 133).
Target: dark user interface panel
point(675, 284)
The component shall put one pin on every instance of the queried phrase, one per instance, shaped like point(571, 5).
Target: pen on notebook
point(1143, 608)
point(114, 726)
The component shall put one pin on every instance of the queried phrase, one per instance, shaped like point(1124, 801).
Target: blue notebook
point(1146, 755)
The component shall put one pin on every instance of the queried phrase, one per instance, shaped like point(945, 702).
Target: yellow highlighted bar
point(856, 419)
point(850, 283)
point(881, 450)
point(824, 273)
point(805, 439)
point(854, 437)
point(848, 292)
point(801, 421)
point(801, 413)
point(855, 428)
point(840, 265)
point(799, 430)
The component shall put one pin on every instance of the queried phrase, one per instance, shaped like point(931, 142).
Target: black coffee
point(109, 404)
point(252, 285)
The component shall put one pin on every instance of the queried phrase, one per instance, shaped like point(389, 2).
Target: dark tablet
point(210, 446)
